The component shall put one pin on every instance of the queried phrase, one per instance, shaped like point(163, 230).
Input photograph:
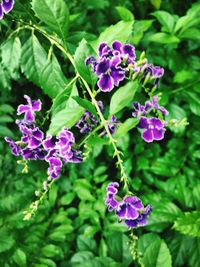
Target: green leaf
point(146, 240)
point(194, 102)
point(163, 38)
point(52, 79)
point(156, 3)
point(19, 258)
point(82, 189)
point(190, 34)
point(33, 59)
point(5, 131)
point(54, 13)
point(5, 119)
point(86, 104)
point(86, 244)
point(5, 108)
point(120, 31)
point(50, 251)
point(68, 116)
point(165, 19)
point(82, 52)
point(126, 127)
point(188, 224)
point(115, 245)
point(157, 254)
point(11, 54)
point(123, 97)
point(124, 13)
point(7, 240)
point(82, 256)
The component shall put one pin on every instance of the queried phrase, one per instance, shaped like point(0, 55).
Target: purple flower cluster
point(152, 127)
point(88, 121)
point(130, 209)
point(111, 64)
point(33, 146)
point(5, 7)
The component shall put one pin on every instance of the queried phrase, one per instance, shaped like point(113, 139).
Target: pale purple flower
point(29, 110)
point(110, 200)
point(5, 7)
point(152, 129)
point(127, 51)
point(141, 220)
point(33, 154)
point(158, 107)
point(15, 148)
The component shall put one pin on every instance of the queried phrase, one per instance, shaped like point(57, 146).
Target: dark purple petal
point(115, 62)
point(36, 105)
point(143, 123)
point(22, 108)
point(16, 149)
point(118, 75)
point(29, 116)
point(131, 223)
point(131, 213)
point(163, 111)
point(34, 142)
point(147, 135)
point(134, 201)
point(41, 154)
point(117, 45)
point(106, 83)
point(157, 71)
point(104, 50)
point(158, 134)
point(37, 133)
point(90, 60)
point(77, 157)
point(148, 106)
point(121, 210)
point(111, 189)
point(103, 66)
point(129, 50)
point(7, 5)
point(29, 153)
point(156, 123)
point(49, 142)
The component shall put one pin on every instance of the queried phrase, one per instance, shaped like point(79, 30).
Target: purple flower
point(49, 142)
point(113, 124)
point(33, 154)
point(5, 7)
point(141, 220)
point(130, 209)
point(158, 107)
point(29, 110)
point(126, 51)
point(55, 166)
point(152, 129)
point(16, 149)
point(76, 157)
point(109, 72)
point(110, 201)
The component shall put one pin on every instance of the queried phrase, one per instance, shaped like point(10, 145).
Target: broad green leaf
point(146, 240)
point(68, 116)
point(126, 127)
point(7, 240)
point(157, 254)
point(190, 34)
point(123, 97)
point(86, 244)
point(83, 190)
point(114, 242)
point(165, 19)
point(19, 258)
point(5, 108)
point(124, 13)
point(33, 59)
point(139, 28)
point(11, 54)
point(50, 251)
point(194, 253)
point(188, 224)
point(52, 79)
point(86, 104)
point(82, 256)
point(5, 119)
point(83, 51)
point(163, 38)
point(54, 13)
point(183, 76)
point(121, 31)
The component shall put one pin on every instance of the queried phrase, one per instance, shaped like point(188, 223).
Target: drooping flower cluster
point(54, 149)
point(130, 208)
point(115, 63)
point(5, 7)
point(88, 121)
point(152, 127)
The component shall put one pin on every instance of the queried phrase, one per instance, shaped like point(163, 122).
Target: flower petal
point(106, 83)
point(36, 105)
point(147, 135)
point(1, 11)
point(129, 50)
point(118, 75)
point(158, 134)
point(22, 108)
point(7, 5)
point(103, 66)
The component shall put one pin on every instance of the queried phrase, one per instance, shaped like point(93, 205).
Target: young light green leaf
point(165, 19)
point(157, 254)
point(82, 52)
point(124, 13)
point(120, 31)
point(123, 97)
point(54, 13)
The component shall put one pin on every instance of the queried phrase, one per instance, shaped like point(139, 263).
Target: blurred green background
point(72, 226)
